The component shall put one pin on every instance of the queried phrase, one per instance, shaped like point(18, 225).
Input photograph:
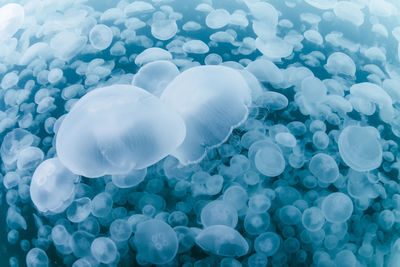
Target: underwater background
point(200, 133)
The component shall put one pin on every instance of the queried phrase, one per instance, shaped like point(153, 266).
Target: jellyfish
point(337, 207)
point(218, 212)
point(104, 250)
point(324, 168)
point(152, 54)
point(155, 76)
point(222, 240)
point(117, 129)
point(212, 100)
point(37, 257)
point(156, 241)
point(267, 158)
point(100, 36)
point(11, 20)
point(52, 186)
point(267, 243)
point(360, 148)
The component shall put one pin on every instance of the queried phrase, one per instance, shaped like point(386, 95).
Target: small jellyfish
point(212, 101)
point(195, 47)
point(313, 219)
point(267, 157)
point(120, 230)
point(267, 243)
point(164, 29)
point(100, 36)
point(29, 158)
point(217, 18)
point(218, 212)
point(155, 76)
point(324, 167)
point(156, 241)
point(346, 258)
point(290, 215)
point(340, 63)
point(337, 207)
point(81, 242)
point(236, 196)
point(102, 205)
point(36, 257)
point(360, 148)
point(152, 54)
point(79, 210)
point(52, 186)
point(104, 250)
point(222, 240)
point(100, 136)
point(255, 224)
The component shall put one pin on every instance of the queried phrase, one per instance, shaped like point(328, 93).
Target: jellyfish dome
point(212, 100)
point(116, 129)
point(53, 186)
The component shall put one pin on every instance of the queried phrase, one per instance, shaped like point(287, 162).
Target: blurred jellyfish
point(100, 136)
point(53, 186)
point(11, 20)
point(212, 100)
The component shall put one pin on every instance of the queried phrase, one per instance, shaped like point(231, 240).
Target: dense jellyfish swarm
point(200, 133)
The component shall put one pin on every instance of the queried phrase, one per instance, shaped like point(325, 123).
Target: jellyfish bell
point(116, 129)
point(212, 100)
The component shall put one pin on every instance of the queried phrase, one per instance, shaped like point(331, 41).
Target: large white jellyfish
point(116, 129)
point(11, 20)
point(212, 100)
point(53, 186)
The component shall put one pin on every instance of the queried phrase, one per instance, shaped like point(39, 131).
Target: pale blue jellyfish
point(337, 207)
point(156, 242)
point(219, 213)
point(103, 133)
point(104, 250)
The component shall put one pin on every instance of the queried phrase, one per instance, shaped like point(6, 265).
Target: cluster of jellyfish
point(249, 133)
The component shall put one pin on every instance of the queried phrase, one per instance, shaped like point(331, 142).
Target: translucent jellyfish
point(324, 167)
point(213, 59)
point(236, 196)
point(155, 76)
point(313, 89)
point(104, 250)
point(222, 37)
point(290, 215)
point(100, 36)
point(130, 179)
point(346, 258)
point(67, 44)
point(29, 158)
point(79, 210)
point(359, 186)
point(286, 139)
point(375, 94)
point(274, 48)
point(267, 243)
point(267, 157)
point(156, 241)
point(222, 96)
point(36, 257)
point(349, 11)
point(313, 219)
point(11, 20)
point(81, 242)
point(218, 212)
point(164, 29)
point(9, 80)
point(340, 63)
point(102, 205)
point(191, 26)
point(322, 4)
point(120, 230)
point(55, 75)
point(337, 207)
point(222, 240)
point(152, 54)
point(195, 47)
point(13, 143)
point(217, 18)
point(360, 148)
point(52, 187)
point(39, 50)
point(313, 36)
point(255, 224)
point(99, 135)
point(138, 7)
point(265, 71)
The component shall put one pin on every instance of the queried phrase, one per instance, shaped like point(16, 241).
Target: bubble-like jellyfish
point(222, 240)
point(360, 148)
point(116, 129)
point(267, 243)
point(212, 101)
point(337, 207)
point(13, 143)
point(155, 76)
point(100, 36)
point(313, 219)
point(267, 157)
point(104, 250)
point(219, 213)
point(156, 241)
point(340, 63)
point(152, 54)
point(36, 257)
point(11, 20)
point(53, 186)
point(324, 168)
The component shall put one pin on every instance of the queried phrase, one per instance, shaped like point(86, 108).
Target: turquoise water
point(199, 133)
